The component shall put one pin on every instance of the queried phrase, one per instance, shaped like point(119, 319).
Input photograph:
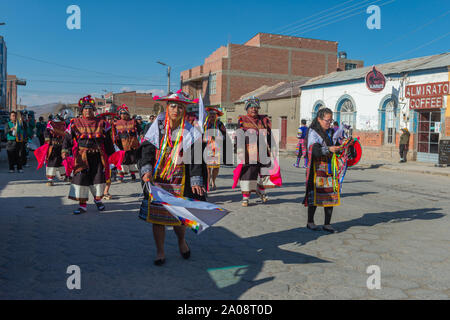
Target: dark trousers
point(14, 151)
point(41, 139)
point(403, 151)
point(312, 211)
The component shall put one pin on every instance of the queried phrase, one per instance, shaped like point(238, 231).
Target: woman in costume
point(321, 190)
point(127, 140)
point(54, 136)
point(90, 140)
point(161, 163)
point(213, 131)
point(252, 125)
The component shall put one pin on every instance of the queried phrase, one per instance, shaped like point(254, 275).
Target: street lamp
point(168, 75)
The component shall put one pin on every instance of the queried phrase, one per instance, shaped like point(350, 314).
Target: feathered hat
point(252, 102)
point(123, 109)
point(86, 102)
point(212, 109)
point(179, 97)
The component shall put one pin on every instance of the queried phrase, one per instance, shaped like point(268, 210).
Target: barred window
point(212, 84)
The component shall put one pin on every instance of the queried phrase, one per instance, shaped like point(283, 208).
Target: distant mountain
point(44, 108)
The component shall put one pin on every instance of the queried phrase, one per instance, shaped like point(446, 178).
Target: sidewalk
point(410, 166)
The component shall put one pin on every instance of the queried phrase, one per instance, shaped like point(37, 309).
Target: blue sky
point(120, 41)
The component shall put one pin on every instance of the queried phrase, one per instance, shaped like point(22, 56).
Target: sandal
point(107, 196)
point(245, 203)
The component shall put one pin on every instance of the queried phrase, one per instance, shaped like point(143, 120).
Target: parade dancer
point(90, 139)
point(321, 190)
point(301, 148)
point(127, 139)
point(214, 130)
point(54, 136)
point(161, 162)
point(251, 176)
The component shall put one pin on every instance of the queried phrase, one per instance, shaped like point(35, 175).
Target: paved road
point(395, 220)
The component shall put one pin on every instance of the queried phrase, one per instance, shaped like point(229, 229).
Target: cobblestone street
point(393, 219)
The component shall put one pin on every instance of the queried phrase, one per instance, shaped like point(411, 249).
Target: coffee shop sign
point(427, 96)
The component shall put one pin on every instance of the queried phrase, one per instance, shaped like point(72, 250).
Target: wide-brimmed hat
point(178, 97)
point(212, 109)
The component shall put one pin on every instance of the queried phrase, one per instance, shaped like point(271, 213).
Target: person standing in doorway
point(404, 144)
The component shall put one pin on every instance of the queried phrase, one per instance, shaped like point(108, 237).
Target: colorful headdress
point(179, 97)
point(212, 109)
point(86, 101)
point(252, 102)
point(123, 108)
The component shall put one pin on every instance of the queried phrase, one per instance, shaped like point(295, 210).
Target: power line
point(99, 83)
point(420, 47)
point(73, 68)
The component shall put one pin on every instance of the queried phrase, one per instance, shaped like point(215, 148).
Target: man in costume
point(214, 135)
point(301, 148)
point(89, 138)
point(162, 161)
point(40, 129)
point(250, 146)
point(127, 132)
point(329, 155)
point(14, 142)
point(54, 136)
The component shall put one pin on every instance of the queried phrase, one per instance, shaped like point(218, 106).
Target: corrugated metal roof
point(280, 90)
point(416, 64)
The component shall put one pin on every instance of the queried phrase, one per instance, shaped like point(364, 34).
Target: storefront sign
point(427, 96)
point(375, 80)
point(428, 90)
point(426, 103)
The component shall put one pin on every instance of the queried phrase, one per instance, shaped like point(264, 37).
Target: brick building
point(266, 59)
point(414, 96)
point(138, 103)
point(11, 92)
point(3, 73)
point(281, 103)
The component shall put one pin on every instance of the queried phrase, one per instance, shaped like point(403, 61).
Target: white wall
point(367, 103)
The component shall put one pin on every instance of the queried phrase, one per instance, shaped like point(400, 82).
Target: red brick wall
point(370, 138)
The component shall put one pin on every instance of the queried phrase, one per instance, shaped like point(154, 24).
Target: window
point(350, 66)
point(346, 112)
point(317, 106)
point(212, 84)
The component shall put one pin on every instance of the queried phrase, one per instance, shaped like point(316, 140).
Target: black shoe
point(329, 230)
point(187, 254)
point(133, 177)
point(100, 206)
point(159, 262)
point(316, 228)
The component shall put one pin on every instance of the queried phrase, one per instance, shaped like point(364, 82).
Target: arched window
point(346, 113)
point(389, 120)
point(317, 106)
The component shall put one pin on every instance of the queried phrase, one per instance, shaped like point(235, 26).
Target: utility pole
point(168, 74)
